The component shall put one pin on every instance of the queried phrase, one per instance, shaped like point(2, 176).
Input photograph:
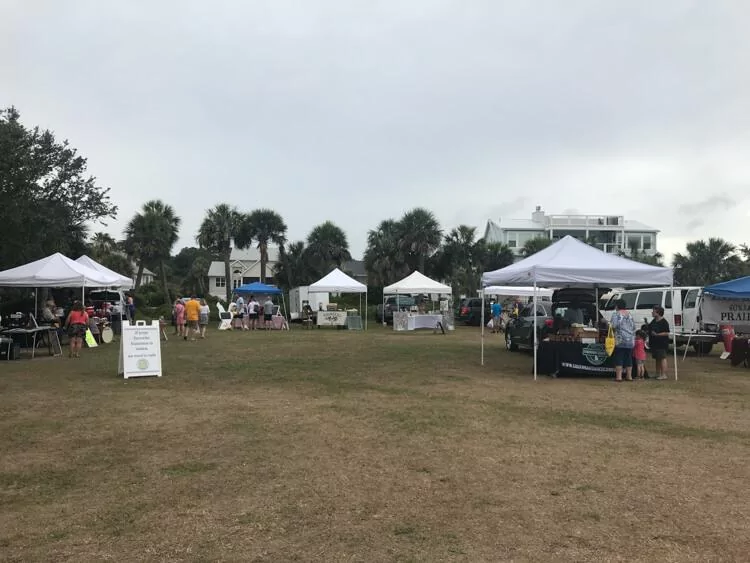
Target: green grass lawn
point(325, 445)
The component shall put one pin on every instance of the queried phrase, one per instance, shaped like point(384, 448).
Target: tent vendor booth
point(417, 283)
point(570, 263)
point(56, 271)
point(338, 282)
point(727, 305)
point(259, 289)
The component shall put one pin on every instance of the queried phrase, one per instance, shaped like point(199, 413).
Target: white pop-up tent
point(56, 271)
point(415, 283)
point(572, 263)
point(123, 282)
point(337, 281)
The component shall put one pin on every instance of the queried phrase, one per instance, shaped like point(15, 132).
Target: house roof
point(494, 231)
point(248, 255)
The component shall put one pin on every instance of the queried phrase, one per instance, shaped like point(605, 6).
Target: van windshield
point(628, 297)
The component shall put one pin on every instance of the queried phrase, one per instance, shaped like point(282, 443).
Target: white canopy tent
point(337, 281)
point(124, 282)
point(572, 263)
point(56, 271)
point(416, 282)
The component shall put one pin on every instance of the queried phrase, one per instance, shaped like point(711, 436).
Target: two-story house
point(610, 233)
point(244, 267)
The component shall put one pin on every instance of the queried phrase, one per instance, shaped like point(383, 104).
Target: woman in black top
point(658, 341)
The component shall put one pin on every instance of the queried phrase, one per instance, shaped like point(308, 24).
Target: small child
point(639, 353)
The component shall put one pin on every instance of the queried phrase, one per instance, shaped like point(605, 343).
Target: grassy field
point(335, 446)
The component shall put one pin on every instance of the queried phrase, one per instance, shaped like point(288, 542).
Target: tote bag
point(609, 342)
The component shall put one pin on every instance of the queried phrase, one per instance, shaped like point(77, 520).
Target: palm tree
point(494, 255)
point(293, 268)
point(150, 236)
point(383, 258)
point(532, 246)
point(707, 262)
point(216, 233)
point(262, 226)
point(458, 259)
point(102, 245)
point(327, 247)
point(420, 237)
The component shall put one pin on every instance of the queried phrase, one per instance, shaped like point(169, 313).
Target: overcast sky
point(356, 111)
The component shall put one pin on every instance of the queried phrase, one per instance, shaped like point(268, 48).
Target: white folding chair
point(225, 318)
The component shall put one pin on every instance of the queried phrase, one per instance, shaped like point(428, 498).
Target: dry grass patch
point(329, 446)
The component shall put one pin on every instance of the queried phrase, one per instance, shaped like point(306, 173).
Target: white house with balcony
point(244, 267)
point(610, 233)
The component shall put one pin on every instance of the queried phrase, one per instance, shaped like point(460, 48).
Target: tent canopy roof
point(416, 282)
point(124, 282)
point(56, 271)
point(517, 291)
point(259, 288)
point(337, 282)
point(738, 289)
point(572, 263)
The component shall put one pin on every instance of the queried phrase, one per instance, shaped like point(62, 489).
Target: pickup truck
point(405, 302)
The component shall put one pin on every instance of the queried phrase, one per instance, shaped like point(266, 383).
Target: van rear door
point(690, 322)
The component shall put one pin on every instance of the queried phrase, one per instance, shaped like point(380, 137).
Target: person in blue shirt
point(497, 311)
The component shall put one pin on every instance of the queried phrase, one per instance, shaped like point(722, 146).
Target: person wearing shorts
point(192, 314)
point(252, 313)
point(268, 312)
point(203, 318)
point(658, 341)
point(77, 324)
point(624, 328)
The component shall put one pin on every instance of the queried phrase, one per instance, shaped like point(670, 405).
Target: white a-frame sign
point(140, 350)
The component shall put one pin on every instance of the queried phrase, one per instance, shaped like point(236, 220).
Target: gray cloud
point(355, 111)
point(708, 205)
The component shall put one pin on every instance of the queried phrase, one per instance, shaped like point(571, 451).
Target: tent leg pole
point(482, 331)
point(535, 330)
point(366, 302)
point(674, 335)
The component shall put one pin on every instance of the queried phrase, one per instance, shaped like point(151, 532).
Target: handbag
point(609, 342)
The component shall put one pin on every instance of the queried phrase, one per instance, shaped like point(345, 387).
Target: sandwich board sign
point(140, 350)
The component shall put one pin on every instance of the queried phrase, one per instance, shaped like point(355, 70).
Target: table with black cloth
point(573, 358)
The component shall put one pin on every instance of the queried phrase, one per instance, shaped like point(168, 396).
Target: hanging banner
point(140, 350)
point(735, 312)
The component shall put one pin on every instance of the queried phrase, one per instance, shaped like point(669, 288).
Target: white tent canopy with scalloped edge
point(416, 282)
point(123, 282)
point(337, 281)
point(56, 271)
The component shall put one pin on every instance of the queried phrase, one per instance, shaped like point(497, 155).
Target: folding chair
point(225, 318)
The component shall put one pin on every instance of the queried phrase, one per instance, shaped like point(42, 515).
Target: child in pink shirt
point(639, 353)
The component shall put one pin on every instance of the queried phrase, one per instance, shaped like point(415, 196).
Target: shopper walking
point(77, 324)
point(179, 317)
point(203, 318)
point(192, 313)
point(268, 313)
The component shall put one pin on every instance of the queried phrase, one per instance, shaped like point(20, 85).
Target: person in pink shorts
point(639, 353)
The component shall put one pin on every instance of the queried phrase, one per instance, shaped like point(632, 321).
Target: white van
point(681, 309)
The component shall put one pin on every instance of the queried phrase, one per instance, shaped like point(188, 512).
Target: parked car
point(568, 306)
point(393, 303)
point(681, 308)
point(469, 311)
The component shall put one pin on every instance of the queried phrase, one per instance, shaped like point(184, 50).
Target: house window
point(512, 242)
point(221, 281)
point(236, 283)
point(647, 242)
point(634, 242)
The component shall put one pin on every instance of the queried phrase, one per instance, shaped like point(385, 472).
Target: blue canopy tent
point(258, 288)
point(734, 289)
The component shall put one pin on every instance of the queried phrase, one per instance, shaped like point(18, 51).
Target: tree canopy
point(47, 196)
